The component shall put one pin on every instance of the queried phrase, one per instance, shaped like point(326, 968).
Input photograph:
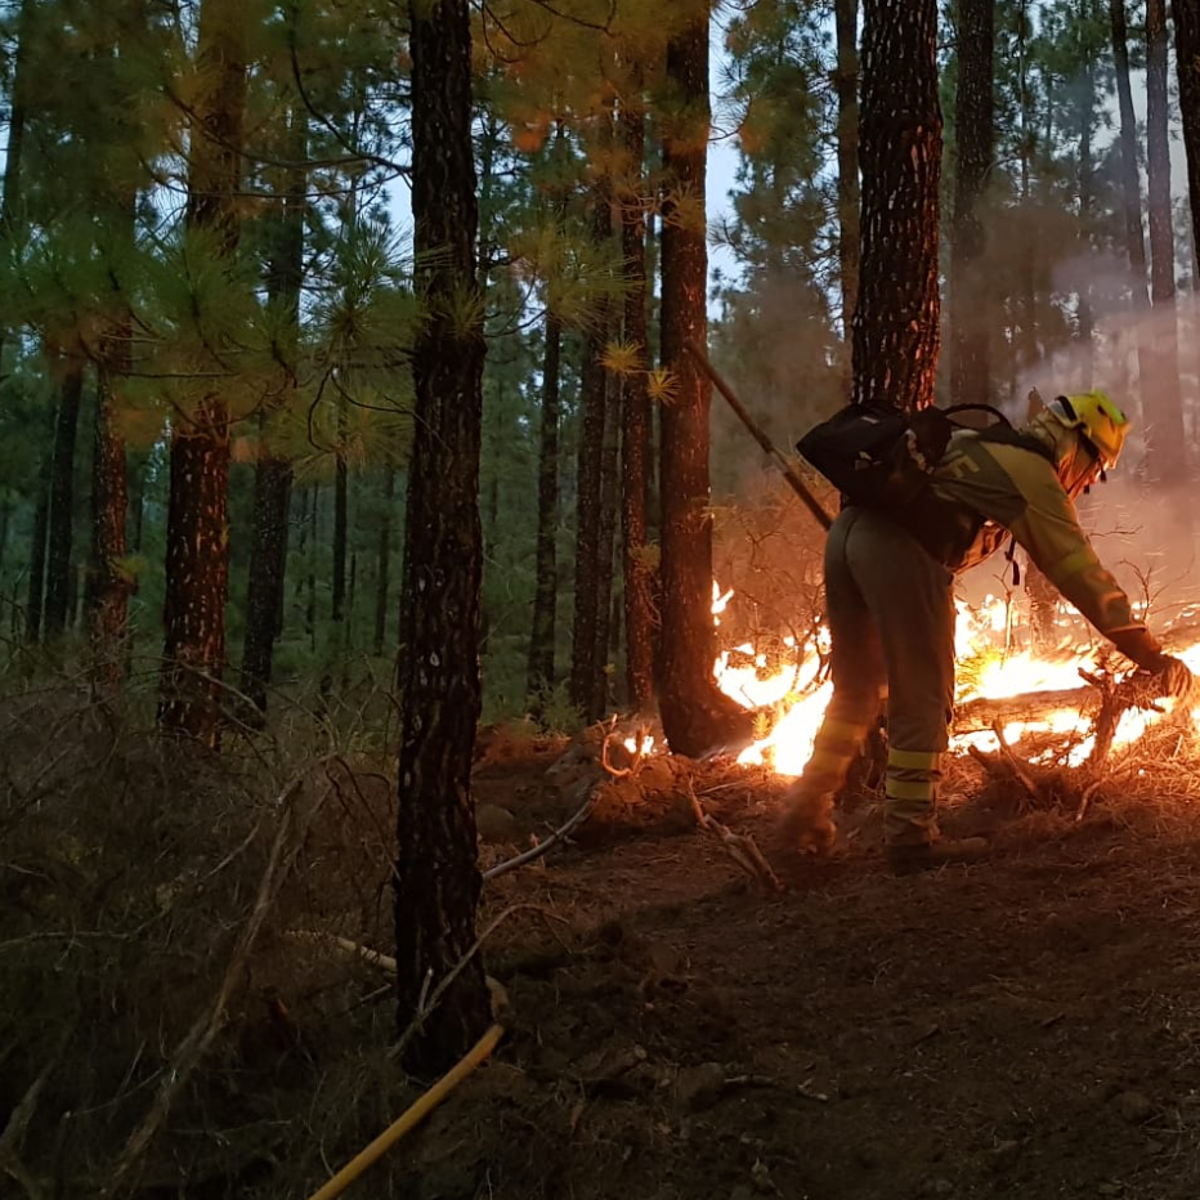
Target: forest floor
point(1028, 1025)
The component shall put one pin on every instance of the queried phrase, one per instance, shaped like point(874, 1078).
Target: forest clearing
point(501, 691)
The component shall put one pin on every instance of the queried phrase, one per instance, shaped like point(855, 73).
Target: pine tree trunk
point(696, 716)
point(340, 512)
point(969, 294)
point(845, 14)
point(1187, 61)
point(540, 678)
point(36, 604)
point(1163, 409)
point(593, 393)
point(636, 449)
point(60, 583)
point(437, 879)
point(273, 473)
point(314, 545)
point(1131, 192)
point(110, 500)
point(896, 333)
point(1130, 187)
point(268, 567)
point(610, 470)
point(1087, 322)
point(1028, 349)
point(197, 558)
point(383, 560)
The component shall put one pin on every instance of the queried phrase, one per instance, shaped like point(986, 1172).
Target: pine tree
point(197, 562)
point(969, 317)
point(437, 879)
point(896, 335)
point(540, 675)
point(695, 715)
point(846, 83)
point(1186, 15)
point(273, 471)
point(636, 448)
point(594, 403)
point(1160, 393)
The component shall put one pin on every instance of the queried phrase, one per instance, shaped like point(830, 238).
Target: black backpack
point(884, 458)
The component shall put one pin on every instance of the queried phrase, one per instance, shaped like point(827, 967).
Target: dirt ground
point(1028, 1026)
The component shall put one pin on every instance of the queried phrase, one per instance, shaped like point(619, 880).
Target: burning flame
point(797, 691)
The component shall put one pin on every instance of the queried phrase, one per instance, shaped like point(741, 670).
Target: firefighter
point(889, 580)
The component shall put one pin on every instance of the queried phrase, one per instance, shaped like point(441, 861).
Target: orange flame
point(797, 693)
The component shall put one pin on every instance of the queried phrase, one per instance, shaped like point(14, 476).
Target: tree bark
point(593, 388)
point(36, 603)
point(110, 500)
point(696, 716)
point(970, 325)
point(636, 456)
point(845, 13)
point(1130, 187)
point(1161, 399)
point(273, 473)
point(1187, 62)
point(540, 677)
point(1087, 322)
point(437, 878)
point(268, 566)
point(1131, 192)
point(60, 582)
point(383, 571)
point(341, 503)
point(606, 545)
point(197, 557)
point(896, 331)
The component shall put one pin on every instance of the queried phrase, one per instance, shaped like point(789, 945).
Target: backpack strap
point(1001, 420)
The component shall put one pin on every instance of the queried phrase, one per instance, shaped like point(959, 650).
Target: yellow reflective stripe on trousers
point(913, 760)
point(904, 789)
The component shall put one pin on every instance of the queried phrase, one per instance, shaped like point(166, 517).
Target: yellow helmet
point(1098, 420)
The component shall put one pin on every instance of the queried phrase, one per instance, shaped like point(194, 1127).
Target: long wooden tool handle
point(810, 501)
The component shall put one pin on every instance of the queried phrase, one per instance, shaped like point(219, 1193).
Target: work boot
point(808, 822)
point(909, 859)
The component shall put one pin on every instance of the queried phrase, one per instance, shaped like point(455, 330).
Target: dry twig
point(577, 818)
point(200, 1037)
point(740, 847)
point(639, 752)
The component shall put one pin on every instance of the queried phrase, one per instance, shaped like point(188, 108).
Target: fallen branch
point(1116, 697)
point(639, 751)
point(1019, 769)
point(577, 818)
point(385, 962)
point(200, 1037)
point(740, 847)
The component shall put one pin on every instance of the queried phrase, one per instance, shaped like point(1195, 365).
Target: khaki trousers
point(890, 608)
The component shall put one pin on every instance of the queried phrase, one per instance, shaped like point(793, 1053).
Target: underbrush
point(177, 938)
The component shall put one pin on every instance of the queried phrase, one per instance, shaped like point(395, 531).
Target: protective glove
point(1174, 678)
point(1142, 647)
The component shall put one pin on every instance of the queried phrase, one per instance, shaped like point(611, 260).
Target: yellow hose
point(411, 1116)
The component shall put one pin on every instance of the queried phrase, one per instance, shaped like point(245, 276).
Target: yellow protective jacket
point(994, 487)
